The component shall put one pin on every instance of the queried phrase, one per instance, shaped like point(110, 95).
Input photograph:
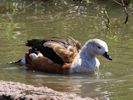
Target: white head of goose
point(59, 55)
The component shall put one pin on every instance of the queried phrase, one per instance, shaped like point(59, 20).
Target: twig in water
point(107, 17)
point(126, 11)
point(123, 4)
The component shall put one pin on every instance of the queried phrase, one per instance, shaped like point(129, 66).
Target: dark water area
point(22, 20)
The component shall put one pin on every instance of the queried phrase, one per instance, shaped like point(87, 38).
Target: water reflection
point(82, 21)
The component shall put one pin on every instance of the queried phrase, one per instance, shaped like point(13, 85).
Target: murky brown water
point(82, 21)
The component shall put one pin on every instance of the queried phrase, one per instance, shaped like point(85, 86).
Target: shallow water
point(82, 21)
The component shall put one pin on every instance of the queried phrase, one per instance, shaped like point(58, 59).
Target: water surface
point(20, 21)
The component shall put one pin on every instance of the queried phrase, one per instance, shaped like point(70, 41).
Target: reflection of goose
point(60, 55)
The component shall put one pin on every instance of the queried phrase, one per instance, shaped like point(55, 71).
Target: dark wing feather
point(46, 51)
point(58, 51)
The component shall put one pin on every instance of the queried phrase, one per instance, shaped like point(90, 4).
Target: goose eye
point(98, 47)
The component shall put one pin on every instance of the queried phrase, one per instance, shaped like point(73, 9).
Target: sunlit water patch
point(82, 21)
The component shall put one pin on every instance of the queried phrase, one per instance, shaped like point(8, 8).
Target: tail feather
point(35, 43)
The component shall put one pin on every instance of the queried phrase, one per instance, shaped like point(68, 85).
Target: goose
point(64, 55)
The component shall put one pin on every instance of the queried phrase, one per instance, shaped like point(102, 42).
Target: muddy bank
point(19, 91)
